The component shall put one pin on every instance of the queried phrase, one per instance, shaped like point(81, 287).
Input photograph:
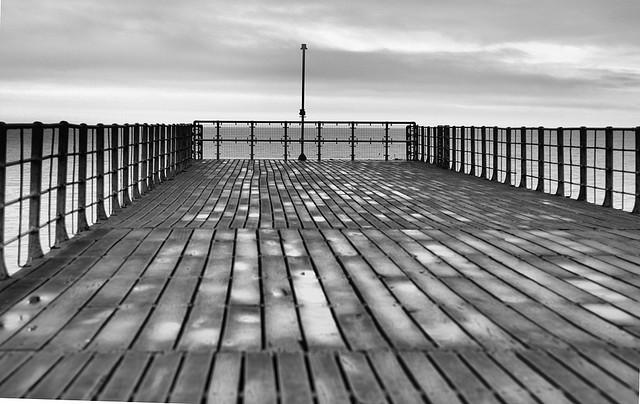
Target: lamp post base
point(302, 157)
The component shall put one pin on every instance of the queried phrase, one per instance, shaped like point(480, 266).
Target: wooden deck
point(265, 281)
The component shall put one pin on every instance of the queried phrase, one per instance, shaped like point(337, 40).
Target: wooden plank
point(318, 325)
point(19, 383)
point(158, 379)
point(10, 361)
point(293, 380)
point(462, 378)
point(79, 332)
point(329, 386)
point(57, 379)
point(224, 385)
point(361, 379)
point(395, 381)
point(91, 379)
point(126, 377)
point(162, 329)
point(191, 382)
point(259, 378)
point(121, 329)
point(432, 383)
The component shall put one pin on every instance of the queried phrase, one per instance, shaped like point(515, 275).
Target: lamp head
point(304, 46)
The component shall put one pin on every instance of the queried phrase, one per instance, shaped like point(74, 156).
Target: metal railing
point(347, 140)
point(59, 179)
point(597, 165)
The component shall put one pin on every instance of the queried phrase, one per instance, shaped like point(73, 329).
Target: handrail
point(59, 179)
point(259, 139)
point(600, 165)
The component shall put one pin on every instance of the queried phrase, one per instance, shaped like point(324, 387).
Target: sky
point(457, 62)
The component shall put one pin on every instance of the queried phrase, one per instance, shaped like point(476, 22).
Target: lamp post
point(302, 157)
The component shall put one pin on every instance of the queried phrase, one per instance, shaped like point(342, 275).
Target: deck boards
point(267, 281)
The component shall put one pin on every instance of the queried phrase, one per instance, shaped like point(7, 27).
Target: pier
point(401, 263)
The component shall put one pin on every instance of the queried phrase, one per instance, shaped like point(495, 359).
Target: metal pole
point(302, 157)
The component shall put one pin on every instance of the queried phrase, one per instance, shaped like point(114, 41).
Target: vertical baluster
point(608, 167)
point(353, 141)
point(428, 150)
point(540, 186)
point(454, 149)
point(386, 141)
point(82, 178)
point(155, 155)
point(462, 149)
point(3, 186)
point(422, 143)
point(494, 172)
point(251, 140)
point(173, 150)
point(217, 140)
point(523, 157)
point(560, 158)
point(115, 149)
point(126, 200)
point(472, 155)
point(582, 194)
point(163, 152)
point(61, 185)
point(319, 140)
point(136, 161)
point(144, 170)
point(286, 141)
point(507, 176)
point(35, 191)
point(483, 140)
point(100, 207)
point(447, 147)
point(636, 206)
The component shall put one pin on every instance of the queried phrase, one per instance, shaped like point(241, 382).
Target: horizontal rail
point(59, 179)
point(358, 140)
point(600, 165)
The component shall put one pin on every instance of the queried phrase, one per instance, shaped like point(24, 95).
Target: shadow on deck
point(332, 281)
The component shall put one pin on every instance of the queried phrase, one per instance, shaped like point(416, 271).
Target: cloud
point(417, 53)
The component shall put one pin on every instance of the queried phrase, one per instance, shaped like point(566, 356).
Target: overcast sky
point(505, 62)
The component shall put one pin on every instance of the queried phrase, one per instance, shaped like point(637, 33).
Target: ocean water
point(334, 145)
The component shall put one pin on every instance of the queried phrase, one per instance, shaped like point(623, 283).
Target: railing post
point(35, 191)
point(507, 176)
point(319, 140)
point(3, 186)
point(115, 203)
point(540, 185)
point(560, 158)
point(472, 153)
point(126, 200)
point(155, 155)
point(447, 147)
point(251, 140)
point(483, 139)
point(416, 141)
point(523, 157)
point(453, 143)
point(386, 141)
point(422, 143)
point(163, 153)
point(494, 172)
point(144, 169)
point(136, 161)
point(82, 178)
point(100, 208)
point(428, 152)
point(636, 205)
point(174, 152)
point(437, 146)
point(352, 140)
point(608, 167)
point(462, 149)
point(217, 140)
point(61, 185)
point(286, 141)
point(582, 194)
